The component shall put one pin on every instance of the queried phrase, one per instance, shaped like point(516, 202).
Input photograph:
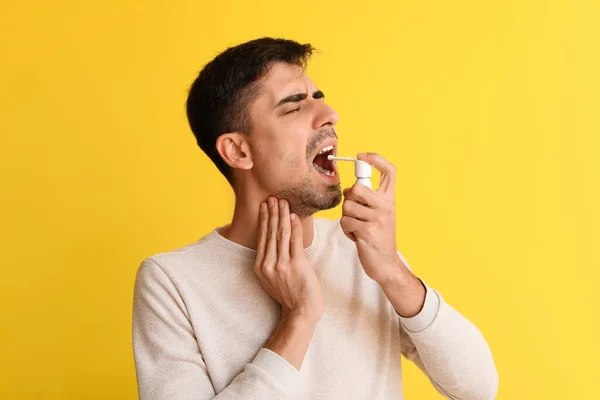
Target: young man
point(277, 304)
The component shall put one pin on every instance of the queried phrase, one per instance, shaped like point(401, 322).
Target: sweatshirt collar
point(247, 252)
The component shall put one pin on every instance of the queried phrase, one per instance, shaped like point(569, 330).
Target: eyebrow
point(295, 98)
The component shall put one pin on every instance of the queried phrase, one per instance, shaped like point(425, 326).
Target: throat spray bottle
point(362, 169)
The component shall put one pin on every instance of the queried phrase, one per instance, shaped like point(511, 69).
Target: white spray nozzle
point(362, 169)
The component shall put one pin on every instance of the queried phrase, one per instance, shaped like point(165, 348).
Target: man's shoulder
point(191, 255)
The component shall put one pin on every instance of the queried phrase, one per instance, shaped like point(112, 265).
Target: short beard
point(305, 200)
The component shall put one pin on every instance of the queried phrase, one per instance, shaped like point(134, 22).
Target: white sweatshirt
point(201, 318)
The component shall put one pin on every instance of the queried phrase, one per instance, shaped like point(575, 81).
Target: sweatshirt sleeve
point(168, 361)
point(449, 349)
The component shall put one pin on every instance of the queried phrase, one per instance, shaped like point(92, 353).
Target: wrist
point(301, 317)
point(398, 277)
point(404, 290)
point(292, 337)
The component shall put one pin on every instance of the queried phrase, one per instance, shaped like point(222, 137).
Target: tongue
point(322, 161)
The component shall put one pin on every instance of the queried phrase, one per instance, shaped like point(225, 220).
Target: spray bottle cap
point(362, 169)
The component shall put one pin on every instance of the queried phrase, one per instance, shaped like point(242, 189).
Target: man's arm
point(168, 361)
point(450, 349)
point(441, 342)
point(169, 364)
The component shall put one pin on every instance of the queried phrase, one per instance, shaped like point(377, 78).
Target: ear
point(234, 149)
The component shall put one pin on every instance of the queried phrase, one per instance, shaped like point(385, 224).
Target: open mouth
point(322, 164)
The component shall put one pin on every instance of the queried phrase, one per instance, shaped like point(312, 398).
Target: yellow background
point(489, 110)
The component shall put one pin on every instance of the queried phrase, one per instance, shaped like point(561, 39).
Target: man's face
point(291, 125)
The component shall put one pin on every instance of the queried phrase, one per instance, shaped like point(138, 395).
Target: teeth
point(326, 149)
point(323, 171)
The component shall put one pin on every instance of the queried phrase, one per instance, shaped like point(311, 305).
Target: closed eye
point(293, 111)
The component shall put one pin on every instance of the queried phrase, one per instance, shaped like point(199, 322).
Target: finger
point(271, 248)
point(350, 226)
point(363, 195)
point(296, 242)
point(387, 169)
point(283, 239)
point(263, 218)
point(353, 209)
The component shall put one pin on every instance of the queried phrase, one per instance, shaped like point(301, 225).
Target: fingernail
point(271, 201)
point(293, 217)
point(281, 203)
point(361, 155)
point(263, 206)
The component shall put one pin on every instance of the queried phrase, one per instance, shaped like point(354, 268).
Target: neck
point(243, 228)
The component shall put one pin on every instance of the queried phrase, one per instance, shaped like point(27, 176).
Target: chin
point(306, 199)
point(335, 193)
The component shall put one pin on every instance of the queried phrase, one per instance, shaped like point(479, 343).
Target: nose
point(325, 116)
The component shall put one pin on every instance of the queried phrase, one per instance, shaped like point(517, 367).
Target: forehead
point(283, 80)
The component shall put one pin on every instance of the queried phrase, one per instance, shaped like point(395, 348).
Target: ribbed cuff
point(425, 317)
point(279, 368)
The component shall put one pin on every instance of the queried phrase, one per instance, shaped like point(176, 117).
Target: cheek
point(286, 168)
point(288, 155)
point(293, 161)
point(278, 162)
point(283, 156)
